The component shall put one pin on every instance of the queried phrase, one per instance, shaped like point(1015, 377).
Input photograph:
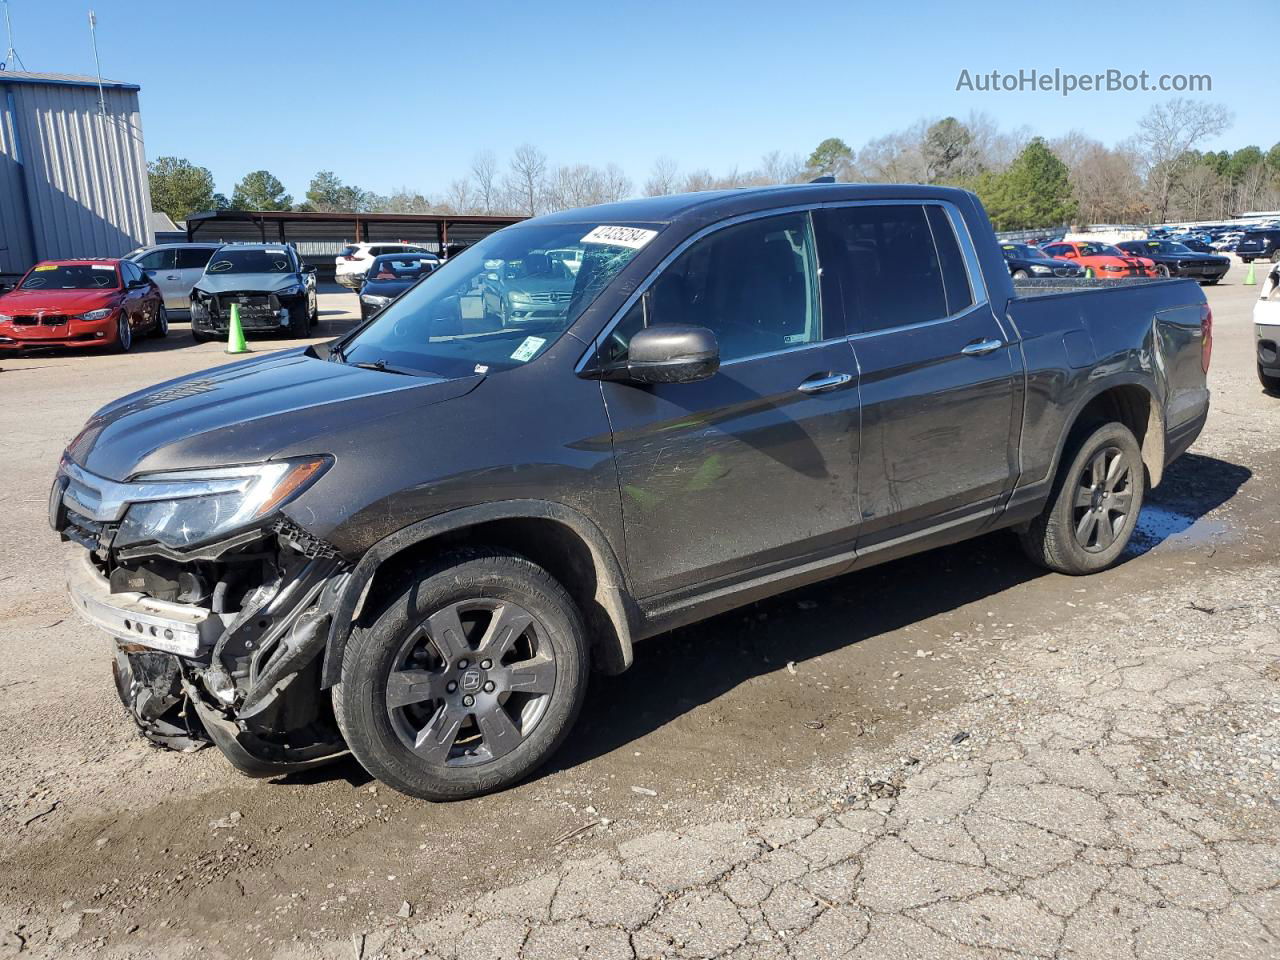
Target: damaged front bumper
point(240, 666)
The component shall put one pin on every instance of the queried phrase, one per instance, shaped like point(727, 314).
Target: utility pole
point(97, 64)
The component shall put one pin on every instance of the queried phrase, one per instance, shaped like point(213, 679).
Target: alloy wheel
point(1103, 499)
point(471, 682)
point(124, 333)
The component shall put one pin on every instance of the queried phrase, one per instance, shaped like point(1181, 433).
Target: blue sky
point(392, 94)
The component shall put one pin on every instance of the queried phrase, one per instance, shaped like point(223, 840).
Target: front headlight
point(1038, 269)
point(374, 300)
point(515, 296)
point(96, 314)
point(5, 318)
point(293, 290)
point(186, 507)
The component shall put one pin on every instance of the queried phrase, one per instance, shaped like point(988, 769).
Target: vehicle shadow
point(1193, 486)
point(676, 672)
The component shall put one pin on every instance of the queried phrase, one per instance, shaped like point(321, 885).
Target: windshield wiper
point(381, 367)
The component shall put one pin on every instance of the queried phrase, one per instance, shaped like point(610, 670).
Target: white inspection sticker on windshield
point(632, 237)
point(526, 350)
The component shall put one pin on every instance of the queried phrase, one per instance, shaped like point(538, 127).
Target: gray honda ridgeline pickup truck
point(415, 542)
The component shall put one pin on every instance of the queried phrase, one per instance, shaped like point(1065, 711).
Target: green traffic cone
point(1249, 279)
point(1088, 273)
point(235, 333)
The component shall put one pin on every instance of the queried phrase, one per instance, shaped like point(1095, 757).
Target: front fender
point(611, 591)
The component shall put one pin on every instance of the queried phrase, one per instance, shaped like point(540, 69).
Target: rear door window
point(157, 260)
point(891, 273)
point(193, 258)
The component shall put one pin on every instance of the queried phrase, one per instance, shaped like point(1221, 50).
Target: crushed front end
point(219, 606)
point(260, 311)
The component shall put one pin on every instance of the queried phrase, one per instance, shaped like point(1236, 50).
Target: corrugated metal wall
point(73, 183)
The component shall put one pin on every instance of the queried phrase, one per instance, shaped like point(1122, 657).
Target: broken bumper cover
point(176, 628)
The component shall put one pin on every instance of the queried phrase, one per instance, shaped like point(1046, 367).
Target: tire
point(199, 337)
point(299, 328)
point(1081, 530)
point(124, 333)
point(1269, 383)
point(161, 328)
point(1162, 271)
point(478, 592)
point(1275, 256)
point(1021, 275)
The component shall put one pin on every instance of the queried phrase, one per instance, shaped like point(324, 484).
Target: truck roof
point(716, 204)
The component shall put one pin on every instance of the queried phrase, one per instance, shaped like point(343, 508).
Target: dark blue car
point(1027, 262)
point(1179, 259)
point(389, 276)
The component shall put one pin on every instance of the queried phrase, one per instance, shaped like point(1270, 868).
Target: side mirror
point(139, 284)
point(671, 353)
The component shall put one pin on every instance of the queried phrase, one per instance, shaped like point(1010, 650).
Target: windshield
point(250, 261)
point(1020, 251)
point(401, 268)
point(501, 303)
point(1099, 250)
point(78, 276)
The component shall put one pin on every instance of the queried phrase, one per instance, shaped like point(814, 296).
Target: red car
point(1106, 261)
point(81, 303)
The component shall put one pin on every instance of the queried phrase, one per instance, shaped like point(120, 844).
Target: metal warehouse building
point(73, 173)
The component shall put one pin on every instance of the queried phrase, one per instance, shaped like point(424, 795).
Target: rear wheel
point(1094, 508)
point(161, 328)
point(469, 679)
point(1269, 383)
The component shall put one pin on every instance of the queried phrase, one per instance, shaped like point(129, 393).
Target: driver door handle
point(823, 384)
point(980, 348)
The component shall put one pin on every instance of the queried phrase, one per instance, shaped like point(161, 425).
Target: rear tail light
point(1206, 337)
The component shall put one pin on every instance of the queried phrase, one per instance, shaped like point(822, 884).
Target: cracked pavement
point(1061, 827)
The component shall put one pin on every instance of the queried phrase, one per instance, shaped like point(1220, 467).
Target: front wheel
point(1021, 275)
point(1094, 508)
point(1269, 383)
point(124, 333)
point(1162, 270)
point(467, 681)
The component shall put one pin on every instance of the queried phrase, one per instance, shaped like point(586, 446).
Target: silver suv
point(175, 268)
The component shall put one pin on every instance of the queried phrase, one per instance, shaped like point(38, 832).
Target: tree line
point(1026, 181)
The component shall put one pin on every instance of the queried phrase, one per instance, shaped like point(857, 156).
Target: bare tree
point(526, 180)
point(775, 167)
point(459, 198)
point(614, 184)
point(484, 167)
point(698, 180)
point(662, 178)
point(1167, 134)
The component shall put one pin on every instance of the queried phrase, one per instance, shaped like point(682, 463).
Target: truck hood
point(57, 301)
point(226, 282)
point(246, 412)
